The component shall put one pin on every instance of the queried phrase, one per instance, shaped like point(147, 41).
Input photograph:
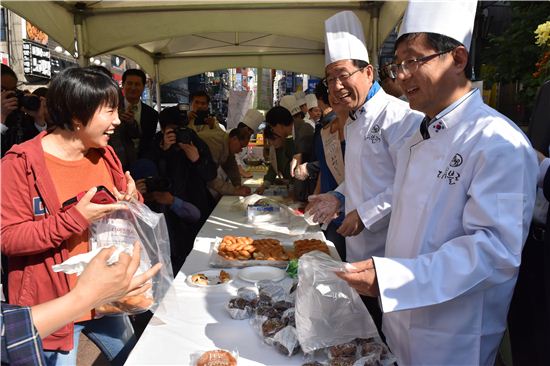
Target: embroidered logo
point(456, 161)
point(38, 207)
point(450, 174)
point(373, 135)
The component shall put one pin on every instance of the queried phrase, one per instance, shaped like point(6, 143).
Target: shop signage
point(36, 60)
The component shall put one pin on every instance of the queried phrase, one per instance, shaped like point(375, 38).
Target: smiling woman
point(70, 158)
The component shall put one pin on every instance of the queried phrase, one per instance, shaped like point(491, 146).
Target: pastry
point(217, 358)
point(343, 350)
point(272, 326)
point(238, 303)
point(224, 276)
point(199, 279)
point(304, 246)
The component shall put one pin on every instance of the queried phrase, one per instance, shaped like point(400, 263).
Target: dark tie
point(424, 128)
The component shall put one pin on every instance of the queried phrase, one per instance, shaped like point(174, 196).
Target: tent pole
point(259, 84)
point(157, 83)
point(82, 59)
point(375, 15)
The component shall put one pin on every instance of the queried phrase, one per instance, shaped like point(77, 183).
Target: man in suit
point(285, 121)
point(134, 136)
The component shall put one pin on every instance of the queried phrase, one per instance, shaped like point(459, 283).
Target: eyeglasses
point(342, 77)
point(409, 67)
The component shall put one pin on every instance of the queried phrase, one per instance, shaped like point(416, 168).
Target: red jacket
point(34, 229)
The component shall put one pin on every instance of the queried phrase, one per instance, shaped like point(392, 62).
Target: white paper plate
point(259, 273)
point(213, 276)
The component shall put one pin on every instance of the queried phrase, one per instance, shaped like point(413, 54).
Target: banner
point(239, 103)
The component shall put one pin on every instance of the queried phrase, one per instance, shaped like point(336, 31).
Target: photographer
point(200, 119)
point(184, 161)
point(15, 125)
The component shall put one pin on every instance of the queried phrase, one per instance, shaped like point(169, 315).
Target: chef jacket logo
point(456, 161)
point(449, 174)
point(373, 134)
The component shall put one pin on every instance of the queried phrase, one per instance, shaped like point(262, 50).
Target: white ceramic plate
point(259, 273)
point(213, 276)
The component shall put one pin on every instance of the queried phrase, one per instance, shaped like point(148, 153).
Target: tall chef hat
point(454, 19)
point(311, 101)
point(344, 38)
point(300, 97)
point(290, 104)
point(253, 118)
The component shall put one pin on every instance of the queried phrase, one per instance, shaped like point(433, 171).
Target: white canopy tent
point(175, 39)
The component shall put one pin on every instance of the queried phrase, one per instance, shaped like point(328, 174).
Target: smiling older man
point(377, 127)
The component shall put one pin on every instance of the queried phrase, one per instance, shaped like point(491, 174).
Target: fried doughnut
point(217, 358)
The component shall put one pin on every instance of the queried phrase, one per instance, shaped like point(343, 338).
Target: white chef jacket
point(381, 126)
point(461, 209)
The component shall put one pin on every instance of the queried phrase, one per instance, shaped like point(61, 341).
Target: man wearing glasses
point(378, 125)
point(462, 203)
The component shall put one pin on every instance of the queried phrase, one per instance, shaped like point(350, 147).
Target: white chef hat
point(344, 38)
point(454, 19)
point(300, 97)
point(311, 101)
point(290, 104)
point(253, 118)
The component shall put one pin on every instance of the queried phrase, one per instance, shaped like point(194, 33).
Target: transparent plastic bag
point(328, 311)
point(122, 229)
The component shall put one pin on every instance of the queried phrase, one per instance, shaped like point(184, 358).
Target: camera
point(201, 117)
point(183, 135)
point(28, 101)
point(157, 184)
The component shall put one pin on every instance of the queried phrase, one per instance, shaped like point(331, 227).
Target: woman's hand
point(94, 211)
point(131, 190)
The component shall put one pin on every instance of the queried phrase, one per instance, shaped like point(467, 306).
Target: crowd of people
point(425, 190)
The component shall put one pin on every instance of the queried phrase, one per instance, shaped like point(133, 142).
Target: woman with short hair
point(71, 157)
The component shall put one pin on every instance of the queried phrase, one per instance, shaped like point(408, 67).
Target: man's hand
point(323, 207)
point(242, 191)
point(141, 186)
point(9, 104)
point(39, 116)
point(104, 283)
point(127, 115)
point(296, 160)
point(244, 173)
point(362, 277)
point(190, 151)
point(210, 121)
point(352, 225)
point(164, 198)
point(191, 116)
point(300, 172)
point(168, 139)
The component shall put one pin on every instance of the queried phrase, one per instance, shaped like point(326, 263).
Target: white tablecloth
point(195, 320)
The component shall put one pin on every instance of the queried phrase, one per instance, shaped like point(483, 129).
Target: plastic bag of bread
point(328, 311)
point(122, 229)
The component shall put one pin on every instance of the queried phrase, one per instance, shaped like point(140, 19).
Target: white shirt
point(383, 123)
point(461, 210)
